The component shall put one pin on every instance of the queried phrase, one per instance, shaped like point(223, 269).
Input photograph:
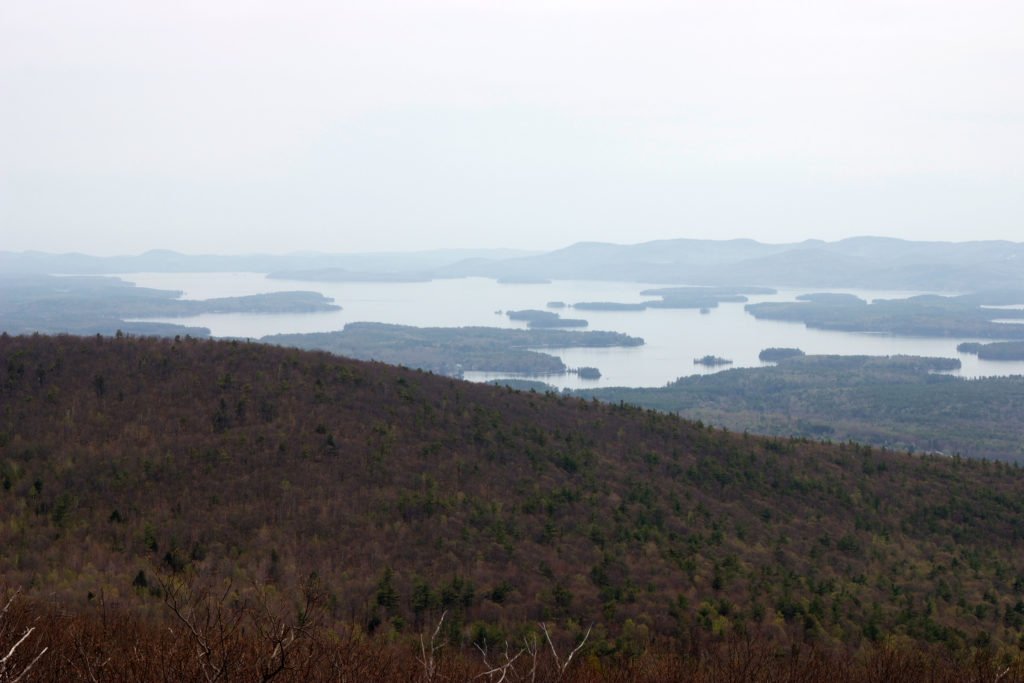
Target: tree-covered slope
point(127, 461)
point(900, 402)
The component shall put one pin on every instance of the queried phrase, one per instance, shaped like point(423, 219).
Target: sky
point(223, 126)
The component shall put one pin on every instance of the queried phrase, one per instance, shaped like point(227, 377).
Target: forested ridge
point(897, 402)
point(154, 477)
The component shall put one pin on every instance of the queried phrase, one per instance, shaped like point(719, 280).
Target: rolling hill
point(138, 471)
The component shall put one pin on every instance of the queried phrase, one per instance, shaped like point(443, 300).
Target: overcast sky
point(234, 127)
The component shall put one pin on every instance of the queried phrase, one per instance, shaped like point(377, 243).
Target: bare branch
point(531, 647)
point(428, 662)
point(28, 668)
point(208, 620)
point(15, 646)
point(559, 665)
point(8, 605)
point(578, 647)
point(12, 677)
point(501, 668)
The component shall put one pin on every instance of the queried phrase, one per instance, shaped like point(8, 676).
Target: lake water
point(673, 337)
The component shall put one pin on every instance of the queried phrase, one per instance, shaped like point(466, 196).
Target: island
point(928, 315)
point(536, 318)
point(995, 350)
point(103, 304)
point(711, 361)
point(703, 298)
point(775, 354)
point(455, 350)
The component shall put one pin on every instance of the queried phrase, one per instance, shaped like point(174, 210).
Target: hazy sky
point(230, 126)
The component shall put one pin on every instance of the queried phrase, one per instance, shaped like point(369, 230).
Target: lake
point(673, 337)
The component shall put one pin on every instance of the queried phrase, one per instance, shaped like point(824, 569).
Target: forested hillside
point(152, 474)
point(901, 402)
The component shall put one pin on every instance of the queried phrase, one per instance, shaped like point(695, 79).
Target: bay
point(674, 338)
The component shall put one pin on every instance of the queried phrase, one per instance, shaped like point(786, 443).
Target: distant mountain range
point(165, 261)
point(860, 262)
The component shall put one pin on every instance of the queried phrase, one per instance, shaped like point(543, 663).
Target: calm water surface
point(673, 337)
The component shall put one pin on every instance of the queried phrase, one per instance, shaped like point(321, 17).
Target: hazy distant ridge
point(165, 261)
point(860, 262)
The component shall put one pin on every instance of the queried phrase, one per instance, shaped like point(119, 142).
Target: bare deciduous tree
point(562, 666)
point(429, 659)
point(280, 639)
point(208, 620)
